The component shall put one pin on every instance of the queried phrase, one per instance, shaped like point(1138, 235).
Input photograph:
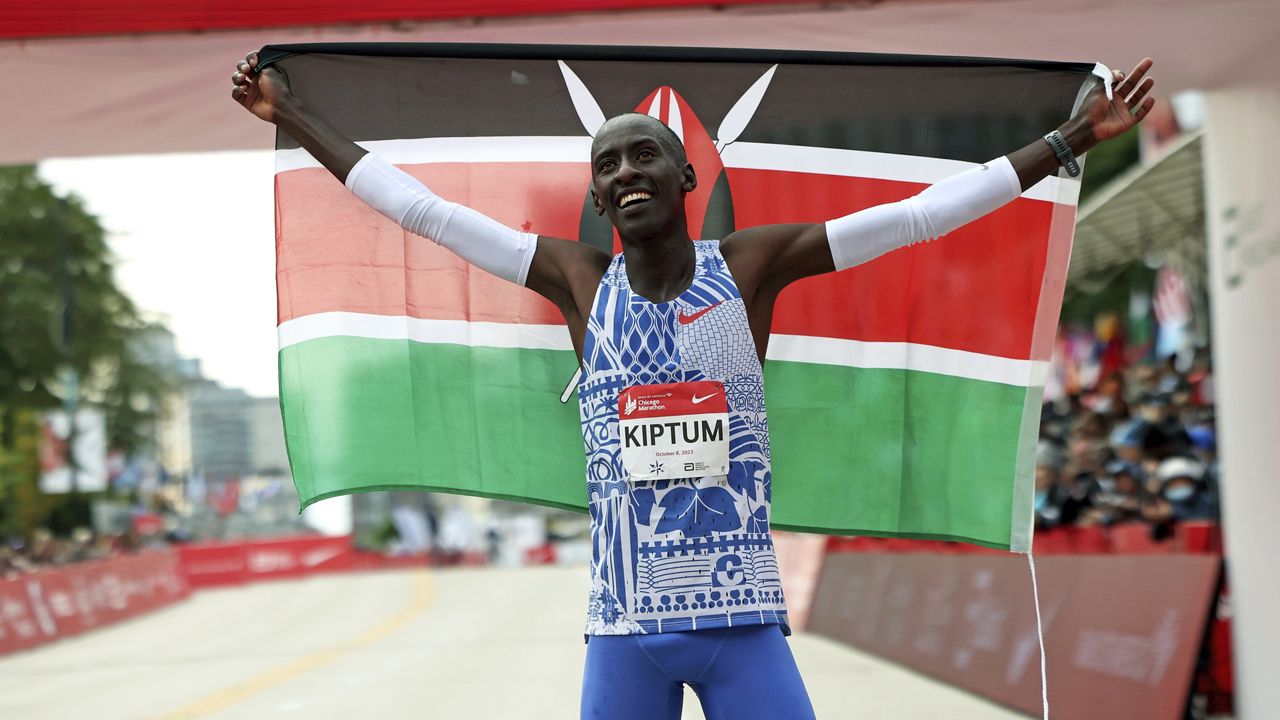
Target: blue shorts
point(742, 673)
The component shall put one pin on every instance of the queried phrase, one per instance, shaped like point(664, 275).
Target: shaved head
point(635, 121)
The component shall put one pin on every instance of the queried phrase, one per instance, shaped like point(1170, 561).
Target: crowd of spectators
point(44, 550)
point(1138, 447)
point(132, 526)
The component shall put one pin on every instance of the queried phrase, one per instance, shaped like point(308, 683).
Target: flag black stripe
point(953, 108)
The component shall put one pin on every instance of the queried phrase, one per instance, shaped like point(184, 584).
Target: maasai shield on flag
point(903, 395)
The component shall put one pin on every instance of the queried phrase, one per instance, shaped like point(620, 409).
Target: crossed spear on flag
point(592, 117)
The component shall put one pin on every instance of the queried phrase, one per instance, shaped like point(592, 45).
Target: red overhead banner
point(42, 18)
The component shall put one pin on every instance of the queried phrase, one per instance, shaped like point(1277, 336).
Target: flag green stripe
point(356, 415)
point(935, 453)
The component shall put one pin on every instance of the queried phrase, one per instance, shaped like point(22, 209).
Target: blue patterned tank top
point(681, 554)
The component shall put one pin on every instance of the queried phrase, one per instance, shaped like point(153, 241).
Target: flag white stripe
point(790, 348)
point(875, 165)
point(907, 356)
point(745, 155)
point(402, 327)
point(419, 151)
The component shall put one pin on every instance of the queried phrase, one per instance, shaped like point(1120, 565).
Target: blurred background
point(143, 473)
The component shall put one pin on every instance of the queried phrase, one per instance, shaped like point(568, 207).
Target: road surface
point(464, 643)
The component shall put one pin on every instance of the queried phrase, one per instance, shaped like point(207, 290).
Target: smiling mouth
point(633, 198)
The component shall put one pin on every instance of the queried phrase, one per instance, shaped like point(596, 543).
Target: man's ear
point(690, 179)
point(595, 202)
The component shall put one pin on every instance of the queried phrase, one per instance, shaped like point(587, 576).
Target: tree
point(60, 310)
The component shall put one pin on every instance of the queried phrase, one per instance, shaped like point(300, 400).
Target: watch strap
point(1065, 157)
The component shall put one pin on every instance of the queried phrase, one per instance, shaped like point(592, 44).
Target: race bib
point(675, 430)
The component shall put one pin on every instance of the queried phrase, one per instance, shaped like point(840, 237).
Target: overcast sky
point(194, 240)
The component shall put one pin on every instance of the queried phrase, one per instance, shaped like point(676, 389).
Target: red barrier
point(800, 557)
point(212, 564)
point(1122, 632)
point(56, 603)
point(1215, 678)
point(1124, 539)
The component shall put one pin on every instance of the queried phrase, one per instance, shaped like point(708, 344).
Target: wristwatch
point(1063, 151)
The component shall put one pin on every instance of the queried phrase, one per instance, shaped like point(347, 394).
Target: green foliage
point(22, 507)
point(1106, 161)
point(60, 308)
point(1108, 290)
point(1083, 302)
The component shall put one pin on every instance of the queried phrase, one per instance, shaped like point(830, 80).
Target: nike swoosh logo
point(320, 555)
point(686, 319)
point(697, 399)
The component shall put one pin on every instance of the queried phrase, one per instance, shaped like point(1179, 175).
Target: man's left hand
point(1127, 107)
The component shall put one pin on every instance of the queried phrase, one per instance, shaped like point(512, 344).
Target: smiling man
point(671, 334)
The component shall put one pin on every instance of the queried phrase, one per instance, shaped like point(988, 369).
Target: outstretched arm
point(768, 258)
point(562, 271)
point(267, 95)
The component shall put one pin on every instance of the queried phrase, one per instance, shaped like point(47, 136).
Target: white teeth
point(632, 197)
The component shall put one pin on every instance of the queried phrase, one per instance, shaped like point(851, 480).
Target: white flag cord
point(1035, 597)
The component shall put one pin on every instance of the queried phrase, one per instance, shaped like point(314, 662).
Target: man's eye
point(646, 154)
point(606, 166)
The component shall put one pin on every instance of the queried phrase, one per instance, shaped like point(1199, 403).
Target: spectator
point(1201, 380)
point(1165, 436)
point(10, 566)
point(1184, 490)
point(1121, 496)
point(1127, 441)
point(1048, 513)
point(1109, 400)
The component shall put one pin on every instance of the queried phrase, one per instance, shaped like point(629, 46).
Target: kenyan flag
point(904, 395)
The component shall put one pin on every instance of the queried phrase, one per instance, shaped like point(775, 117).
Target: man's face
point(638, 181)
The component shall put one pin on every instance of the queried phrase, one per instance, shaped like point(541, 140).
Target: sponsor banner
point(89, 452)
point(1121, 633)
point(233, 563)
point(52, 604)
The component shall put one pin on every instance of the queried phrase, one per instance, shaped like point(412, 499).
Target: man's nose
point(627, 172)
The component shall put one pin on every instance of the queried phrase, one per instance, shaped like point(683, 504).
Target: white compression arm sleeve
point(941, 208)
point(481, 241)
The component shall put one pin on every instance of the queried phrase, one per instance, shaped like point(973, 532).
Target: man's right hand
point(261, 93)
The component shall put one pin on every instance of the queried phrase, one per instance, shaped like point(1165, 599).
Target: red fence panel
point(1123, 539)
point(1122, 632)
point(211, 564)
point(60, 602)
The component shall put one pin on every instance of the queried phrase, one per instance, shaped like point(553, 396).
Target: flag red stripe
point(335, 254)
point(977, 290)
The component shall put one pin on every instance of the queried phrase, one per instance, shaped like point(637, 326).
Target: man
point(671, 335)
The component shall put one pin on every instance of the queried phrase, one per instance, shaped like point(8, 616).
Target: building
point(221, 431)
point(267, 452)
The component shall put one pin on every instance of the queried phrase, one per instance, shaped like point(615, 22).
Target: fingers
point(242, 80)
point(1144, 109)
point(1130, 82)
point(1142, 91)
